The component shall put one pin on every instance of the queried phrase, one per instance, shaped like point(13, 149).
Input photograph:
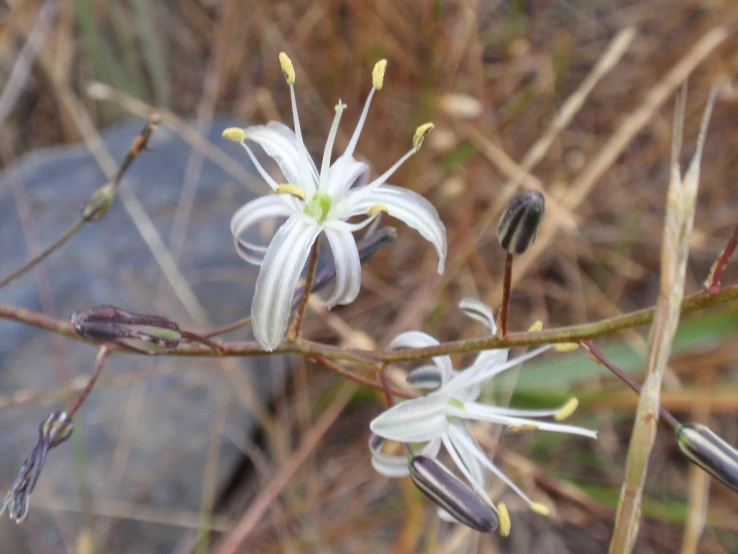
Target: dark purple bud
point(444, 488)
point(519, 224)
point(148, 334)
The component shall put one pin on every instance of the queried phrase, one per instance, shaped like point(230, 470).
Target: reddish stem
point(506, 290)
point(721, 263)
point(102, 356)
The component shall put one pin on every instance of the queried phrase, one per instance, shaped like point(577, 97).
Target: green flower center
point(319, 206)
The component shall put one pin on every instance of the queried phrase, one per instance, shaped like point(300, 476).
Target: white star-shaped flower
point(319, 202)
point(439, 418)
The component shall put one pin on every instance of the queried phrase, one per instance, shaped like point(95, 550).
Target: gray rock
point(143, 444)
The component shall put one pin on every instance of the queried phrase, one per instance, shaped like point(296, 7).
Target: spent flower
point(440, 417)
point(316, 202)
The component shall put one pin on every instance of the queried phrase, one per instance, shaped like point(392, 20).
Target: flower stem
point(308, 288)
point(599, 357)
point(102, 356)
point(506, 290)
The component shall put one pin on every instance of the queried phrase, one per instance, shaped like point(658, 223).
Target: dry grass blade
point(678, 221)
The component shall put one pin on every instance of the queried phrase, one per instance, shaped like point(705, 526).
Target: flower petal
point(348, 267)
point(251, 213)
point(475, 309)
point(428, 377)
point(407, 206)
point(280, 142)
point(417, 420)
point(397, 466)
point(481, 412)
point(418, 339)
point(465, 443)
point(346, 173)
point(275, 286)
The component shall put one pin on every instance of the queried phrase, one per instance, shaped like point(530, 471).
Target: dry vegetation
point(597, 255)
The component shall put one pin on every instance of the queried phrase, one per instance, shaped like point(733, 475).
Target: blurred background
point(173, 455)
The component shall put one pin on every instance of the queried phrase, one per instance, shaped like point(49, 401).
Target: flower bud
point(710, 452)
point(453, 495)
point(99, 203)
point(147, 334)
point(518, 226)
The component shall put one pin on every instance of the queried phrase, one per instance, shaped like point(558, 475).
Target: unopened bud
point(710, 452)
point(147, 334)
point(519, 224)
point(99, 203)
point(453, 495)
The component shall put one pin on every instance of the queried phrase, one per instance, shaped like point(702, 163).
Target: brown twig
point(506, 290)
point(102, 356)
point(721, 263)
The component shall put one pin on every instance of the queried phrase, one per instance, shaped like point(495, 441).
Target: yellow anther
point(539, 508)
point(567, 409)
point(377, 209)
point(522, 427)
point(504, 517)
point(236, 134)
point(287, 68)
point(537, 326)
point(378, 74)
point(292, 190)
point(566, 346)
point(420, 134)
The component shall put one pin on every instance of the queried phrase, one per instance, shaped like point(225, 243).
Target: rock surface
point(141, 448)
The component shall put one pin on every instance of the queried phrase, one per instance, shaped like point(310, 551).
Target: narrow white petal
point(280, 142)
point(397, 466)
point(481, 412)
point(466, 442)
point(475, 309)
point(407, 206)
point(418, 339)
point(417, 420)
point(451, 449)
point(344, 174)
point(275, 286)
point(478, 375)
point(348, 267)
point(248, 215)
point(486, 363)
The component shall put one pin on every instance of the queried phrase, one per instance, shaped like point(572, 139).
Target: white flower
point(315, 202)
point(439, 418)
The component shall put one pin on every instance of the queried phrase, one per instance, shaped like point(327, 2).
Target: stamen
point(420, 134)
point(378, 74)
point(567, 409)
point(377, 209)
point(566, 346)
point(329, 143)
point(539, 508)
point(515, 428)
point(236, 134)
point(287, 68)
point(292, 190)
point(504, 517)
point(537, 326)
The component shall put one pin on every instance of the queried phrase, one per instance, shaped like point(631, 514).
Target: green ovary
point(319, 206)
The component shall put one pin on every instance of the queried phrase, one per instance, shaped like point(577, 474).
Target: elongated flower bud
point(99, 203)
point(710, 452)
point(453, 495)
point(519, 224)
point(148, 334)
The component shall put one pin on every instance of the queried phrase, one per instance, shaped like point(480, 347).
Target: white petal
point(467, 443)
point(464, 443)
point(348, 267)
point(418, 339)
point(478, 375)
point(279, 142)
point(344, 174)
point(487, 364)
point(417, 420)
point(481, 412)
point(275, 286)
point(475, 309)
point(407, 206)
point(397, 466)
point(428, 377)
point(251, 213)
point(453, 452)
